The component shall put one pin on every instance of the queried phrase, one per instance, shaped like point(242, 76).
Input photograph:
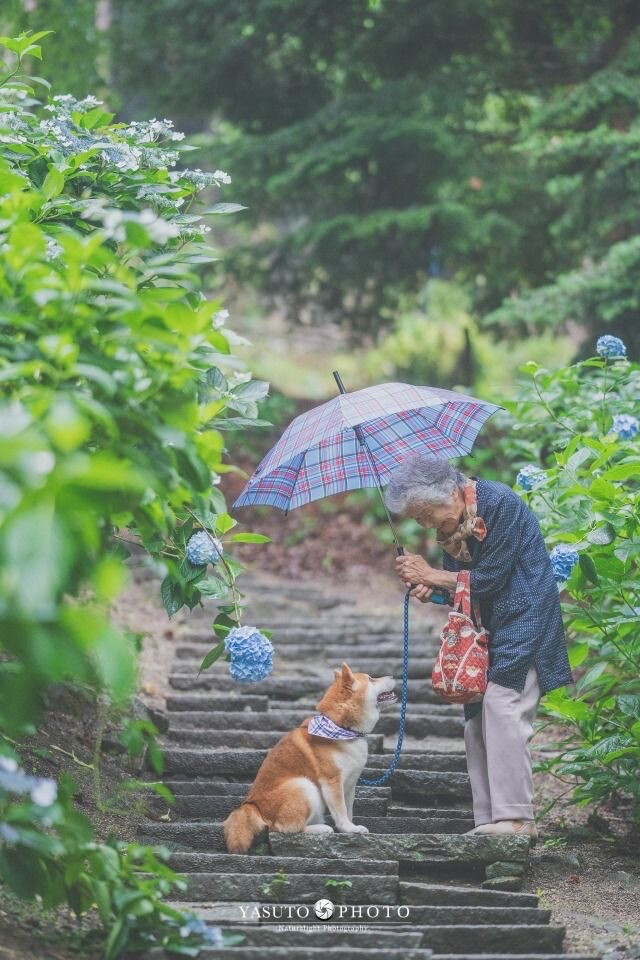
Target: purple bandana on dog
point(323, 726)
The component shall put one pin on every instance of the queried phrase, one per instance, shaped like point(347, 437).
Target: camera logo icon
point(323, 909)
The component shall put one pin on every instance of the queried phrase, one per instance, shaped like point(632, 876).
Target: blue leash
point(403, 709)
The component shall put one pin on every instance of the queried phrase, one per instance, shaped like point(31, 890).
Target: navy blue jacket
point(512, 578)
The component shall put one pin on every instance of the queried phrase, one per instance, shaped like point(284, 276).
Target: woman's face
point(443, 517)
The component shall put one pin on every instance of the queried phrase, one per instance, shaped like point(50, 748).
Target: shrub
point(578, 424)
point(117, 382)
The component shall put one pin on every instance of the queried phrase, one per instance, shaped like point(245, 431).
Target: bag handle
point(462, 597)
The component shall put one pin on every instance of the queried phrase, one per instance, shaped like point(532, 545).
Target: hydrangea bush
point(578, 426)
point(117, 386)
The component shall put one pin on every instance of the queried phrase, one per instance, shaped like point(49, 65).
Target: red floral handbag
point(460, 672)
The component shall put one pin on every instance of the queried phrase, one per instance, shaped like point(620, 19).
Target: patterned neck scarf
point(323, 726)
point(471, 526)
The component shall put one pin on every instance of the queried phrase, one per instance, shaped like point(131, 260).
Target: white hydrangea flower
point(44, 793)
point(160, 231)
point(8, 764)
point(220, 319)
point(53, 249)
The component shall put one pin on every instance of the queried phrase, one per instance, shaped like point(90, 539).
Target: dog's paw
point(354, 828)
point(318, 828)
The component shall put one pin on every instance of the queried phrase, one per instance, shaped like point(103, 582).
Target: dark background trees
point(382, 143)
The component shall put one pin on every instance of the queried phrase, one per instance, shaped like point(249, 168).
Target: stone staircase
point(438, 892)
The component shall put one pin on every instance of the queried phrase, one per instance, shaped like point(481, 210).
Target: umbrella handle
point(441, 598)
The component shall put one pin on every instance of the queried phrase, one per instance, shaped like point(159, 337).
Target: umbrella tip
point(338, 380)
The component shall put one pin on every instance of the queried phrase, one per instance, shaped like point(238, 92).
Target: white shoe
point(522, 828)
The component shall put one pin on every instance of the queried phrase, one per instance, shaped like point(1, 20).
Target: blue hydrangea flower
point(196, 926)
point(611, 348)
point(530, 476)
point(251, 654)
point(203, 549)
point(625, 426)
point(563, 560)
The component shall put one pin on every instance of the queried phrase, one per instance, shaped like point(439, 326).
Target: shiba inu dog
point(316, 765)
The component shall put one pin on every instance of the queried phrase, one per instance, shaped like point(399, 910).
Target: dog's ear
point(346, 675)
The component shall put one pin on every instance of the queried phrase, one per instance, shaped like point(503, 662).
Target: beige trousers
point(497, 746)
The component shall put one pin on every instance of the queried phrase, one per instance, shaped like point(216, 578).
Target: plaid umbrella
point(356, 440)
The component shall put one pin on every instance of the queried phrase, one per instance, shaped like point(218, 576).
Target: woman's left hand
point(414, 569)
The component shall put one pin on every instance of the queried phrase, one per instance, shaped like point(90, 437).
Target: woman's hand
point(422, 593)
point(414, 569)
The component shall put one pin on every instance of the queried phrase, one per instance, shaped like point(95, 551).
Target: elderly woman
point(498, 539)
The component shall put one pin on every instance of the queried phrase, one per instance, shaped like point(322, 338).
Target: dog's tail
point(241, 828)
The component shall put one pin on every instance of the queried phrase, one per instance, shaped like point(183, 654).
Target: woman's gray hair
point(422, 479)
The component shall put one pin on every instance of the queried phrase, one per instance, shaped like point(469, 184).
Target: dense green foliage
point(584, 142)
point(48, 851)
point(387, 142)
point(113, 402)
point(589, 499)
point(77, 49)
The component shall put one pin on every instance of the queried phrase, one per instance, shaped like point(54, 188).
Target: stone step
point(297, 887)
point(493, 938)
point(452, 813)
point(369, 652)
point(262, 936)
point(187, 837)
point(420, 783)
point(283, 687)
point(309, 953)
point(520, 956)
point(474, 914)
point(237, 701)
point(206, 834)
point(245, 863)
point(239, 790)
point(431, 760)
point(473, 849)
point(433, 894)
point(419, 824)
point(522, 940)
point(244, 764)
point(314, 635)
point(439, 709)
point(250, 739)
point(428, 724)
point(419, 667)
point(212, 807)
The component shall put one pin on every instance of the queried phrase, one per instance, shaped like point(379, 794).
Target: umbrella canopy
point(358, 438)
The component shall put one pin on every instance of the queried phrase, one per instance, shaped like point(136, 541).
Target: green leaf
point(578, 653)
point(171, 595)
point(603, 535)
point(217, 379)
point(591, 676)
point(249, 538)
point(603, 490)
point(222, 624)
point(252, 390)
point(588, 568)
point(213, 587)
point(222, 208)
point(223, 523)
point(623, 471)
point(212, 656)
point(629, 704)
point(53, 184)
